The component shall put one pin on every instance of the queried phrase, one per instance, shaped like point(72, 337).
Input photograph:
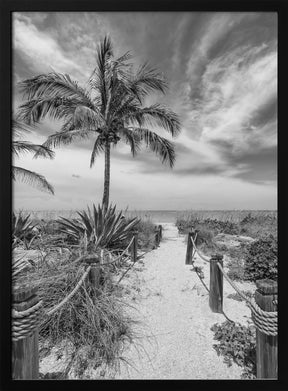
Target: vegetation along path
point(172, 307)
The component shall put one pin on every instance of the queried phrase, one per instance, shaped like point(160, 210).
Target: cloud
point(237, 101)
point(222, 72)
point(40, 51)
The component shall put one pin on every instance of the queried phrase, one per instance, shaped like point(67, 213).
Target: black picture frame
point(7, 7)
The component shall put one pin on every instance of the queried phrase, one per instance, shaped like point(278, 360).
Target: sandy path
point(171, 305)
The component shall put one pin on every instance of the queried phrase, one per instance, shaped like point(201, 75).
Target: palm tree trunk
point(105, 201)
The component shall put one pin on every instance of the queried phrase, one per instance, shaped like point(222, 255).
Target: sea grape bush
point(259, 225)
point(237, 343)
point(260, 260)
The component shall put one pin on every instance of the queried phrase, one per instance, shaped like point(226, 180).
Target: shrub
point(237, 343)
point(146, 234)
point(261, 260)
point(259, 225)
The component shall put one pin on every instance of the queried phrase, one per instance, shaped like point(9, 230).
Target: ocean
point(159, 216)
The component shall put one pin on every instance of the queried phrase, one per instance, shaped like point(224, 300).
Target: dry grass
point(91, 320)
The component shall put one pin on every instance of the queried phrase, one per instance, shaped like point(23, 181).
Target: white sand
point(172, 306)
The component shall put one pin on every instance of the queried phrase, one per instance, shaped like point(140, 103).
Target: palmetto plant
point(18, 147)
point(110, 108)
point(22, 227)
point(103, 228)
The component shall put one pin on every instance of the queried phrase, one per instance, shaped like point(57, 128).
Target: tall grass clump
point(92, 320)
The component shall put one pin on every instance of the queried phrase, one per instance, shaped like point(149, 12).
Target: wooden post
point(95, 272)
point(189, 250)
point(25, 353)
point(134, 246)
point(160, 231)
point(156, 237)
point(216, 284)
point(266, 345)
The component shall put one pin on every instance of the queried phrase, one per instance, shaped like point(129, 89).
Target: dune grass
point(93, 320)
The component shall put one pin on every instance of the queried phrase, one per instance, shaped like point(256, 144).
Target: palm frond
point(147, 80)
point(66, 137)
point(161, 146)
point(34, 110)
point(85, 117)
point(31, 178)
point(53, 84)
point(97, 149)
point(158, 115)
point(100, 77)
point(25, 146)
point(132, 139)
point(18, 127)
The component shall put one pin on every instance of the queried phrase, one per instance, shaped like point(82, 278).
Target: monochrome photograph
point(144, 195)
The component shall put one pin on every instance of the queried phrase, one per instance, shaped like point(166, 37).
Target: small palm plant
point(22, 229)
point(18, 147)
point(101, 228)
point(110, 109)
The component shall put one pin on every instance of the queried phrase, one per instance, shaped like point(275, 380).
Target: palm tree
point(19, 146)
point(110, 108)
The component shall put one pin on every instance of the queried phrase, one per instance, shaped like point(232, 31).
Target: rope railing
point(263, 309)
point(26, 321)
point(201, 275)
point(265, 321)
point(198, 252)
point(71, 294)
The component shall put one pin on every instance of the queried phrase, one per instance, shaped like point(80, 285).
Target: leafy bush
point(213, 225)
point(261, 259)
point(50, 227)
point(259, 225)
point(237, 343)
point(146, 234)
point(255, 225)
point(99, 228)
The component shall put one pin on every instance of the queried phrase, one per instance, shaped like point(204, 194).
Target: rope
point(72, 293)
point(25, 322)
point(202, 280)
point(265, 321)
point(200, 255)
point(195, 267)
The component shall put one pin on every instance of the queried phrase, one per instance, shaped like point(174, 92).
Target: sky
point(221, 70)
